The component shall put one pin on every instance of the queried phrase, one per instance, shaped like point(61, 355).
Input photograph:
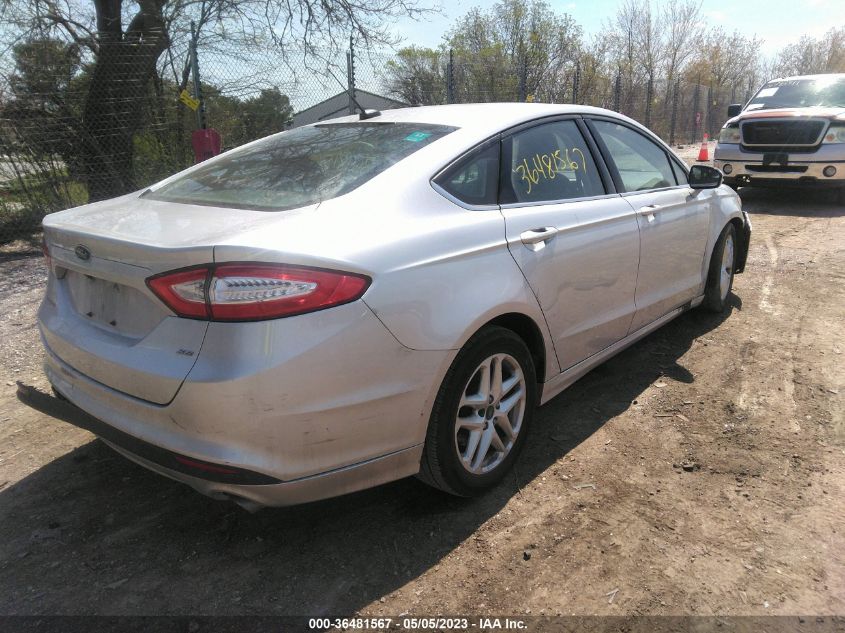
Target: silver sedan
point(360, 300)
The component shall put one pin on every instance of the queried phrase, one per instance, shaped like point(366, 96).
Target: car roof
point(486, 116)
point(835, 76)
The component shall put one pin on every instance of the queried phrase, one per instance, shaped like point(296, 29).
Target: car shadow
point(816, 203)
point(92, 533)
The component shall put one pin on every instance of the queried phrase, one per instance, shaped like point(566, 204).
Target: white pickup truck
point(791, 134)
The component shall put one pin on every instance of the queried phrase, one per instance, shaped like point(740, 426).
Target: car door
point(673, 218)
point(576, 241)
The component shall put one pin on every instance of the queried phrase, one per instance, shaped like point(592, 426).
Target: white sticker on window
point(766, 92)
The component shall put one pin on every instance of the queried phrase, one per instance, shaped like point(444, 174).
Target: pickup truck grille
point(778, 133)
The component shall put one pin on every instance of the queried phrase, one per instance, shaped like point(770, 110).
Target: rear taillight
point(254, 292)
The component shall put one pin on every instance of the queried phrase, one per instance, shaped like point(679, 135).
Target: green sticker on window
point(416, 137)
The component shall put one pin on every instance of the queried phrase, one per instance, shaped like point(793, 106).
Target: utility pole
point(350, 77)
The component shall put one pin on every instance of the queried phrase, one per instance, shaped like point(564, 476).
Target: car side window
point(546, 163)
point(641, 163)
point(474, 179)
point(681, 174)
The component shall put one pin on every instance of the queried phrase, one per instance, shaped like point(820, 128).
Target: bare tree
point(125, 39)
point(813, 55)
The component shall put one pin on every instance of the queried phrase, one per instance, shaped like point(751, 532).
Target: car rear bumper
point(317, 415)
point(800, 169)
point(248, 489)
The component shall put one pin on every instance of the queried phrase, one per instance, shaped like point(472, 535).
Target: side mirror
point(734, 109)
point(704, 177)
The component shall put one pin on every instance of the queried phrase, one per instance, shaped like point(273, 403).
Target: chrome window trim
point(455, 200)
point(661, 189)
point(544, 203)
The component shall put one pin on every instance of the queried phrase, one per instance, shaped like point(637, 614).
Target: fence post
point(350, 77)
point(710, 101)
point(649, 91)
point(523, 71)
point(617, 89)
point(450, 79)
point(195, 71)
point(674, 120)
point(696, 115)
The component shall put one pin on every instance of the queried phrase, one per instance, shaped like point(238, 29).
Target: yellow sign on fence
point(188, 100)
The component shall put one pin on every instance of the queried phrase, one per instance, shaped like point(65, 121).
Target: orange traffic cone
point(703, 154)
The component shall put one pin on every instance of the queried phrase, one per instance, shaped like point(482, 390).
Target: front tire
point(720, 277)
point(481, 415)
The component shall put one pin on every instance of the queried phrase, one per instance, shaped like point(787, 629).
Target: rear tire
point(720, 276)
point(481, 414)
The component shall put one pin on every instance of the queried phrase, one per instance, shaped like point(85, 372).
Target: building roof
point(338, 104)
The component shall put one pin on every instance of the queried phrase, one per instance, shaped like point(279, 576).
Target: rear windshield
point(800, 93)
point(301, 166)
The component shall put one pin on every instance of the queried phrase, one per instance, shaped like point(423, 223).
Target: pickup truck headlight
point(835, 134)
point(730, 134)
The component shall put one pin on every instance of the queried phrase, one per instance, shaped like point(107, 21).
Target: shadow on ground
point(811, 203)
point(92, 533)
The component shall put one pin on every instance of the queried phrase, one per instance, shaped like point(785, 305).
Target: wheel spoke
point(471, 423)
point(483, 447)
point(497, 443)
point(505, 406)
point(475, 400)
point(496, 378)
point(504, 423)
point(481, 397)
point(511, 382)
point(472, 446)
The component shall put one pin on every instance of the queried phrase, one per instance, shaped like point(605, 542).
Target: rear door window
point(301, 166)
point(547, 163)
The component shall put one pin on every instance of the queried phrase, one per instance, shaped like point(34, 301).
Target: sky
point(777, 22)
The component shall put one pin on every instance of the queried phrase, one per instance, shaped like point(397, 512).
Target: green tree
point(267, 113)
point(418, 76)
point(518, 47)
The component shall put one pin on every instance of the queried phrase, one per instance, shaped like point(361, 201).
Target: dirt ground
point(713, 450)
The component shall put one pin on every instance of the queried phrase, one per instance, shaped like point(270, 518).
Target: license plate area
point(112, 306)
point(775, 158)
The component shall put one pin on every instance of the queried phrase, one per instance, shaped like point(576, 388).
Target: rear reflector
point(253, 292)
point(45, 249)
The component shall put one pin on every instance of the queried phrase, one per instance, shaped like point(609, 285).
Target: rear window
point(300, 167)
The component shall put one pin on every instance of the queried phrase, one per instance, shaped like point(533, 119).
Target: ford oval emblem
point(82, 252)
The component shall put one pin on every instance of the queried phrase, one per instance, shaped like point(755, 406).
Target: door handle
point(649, 209)
point(535, 236)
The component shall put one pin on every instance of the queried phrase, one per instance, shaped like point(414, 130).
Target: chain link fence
point(72, 131)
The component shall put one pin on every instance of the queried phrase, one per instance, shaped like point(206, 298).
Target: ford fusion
point(370, 298)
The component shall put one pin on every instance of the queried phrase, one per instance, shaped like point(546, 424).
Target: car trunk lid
point(100, 318)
